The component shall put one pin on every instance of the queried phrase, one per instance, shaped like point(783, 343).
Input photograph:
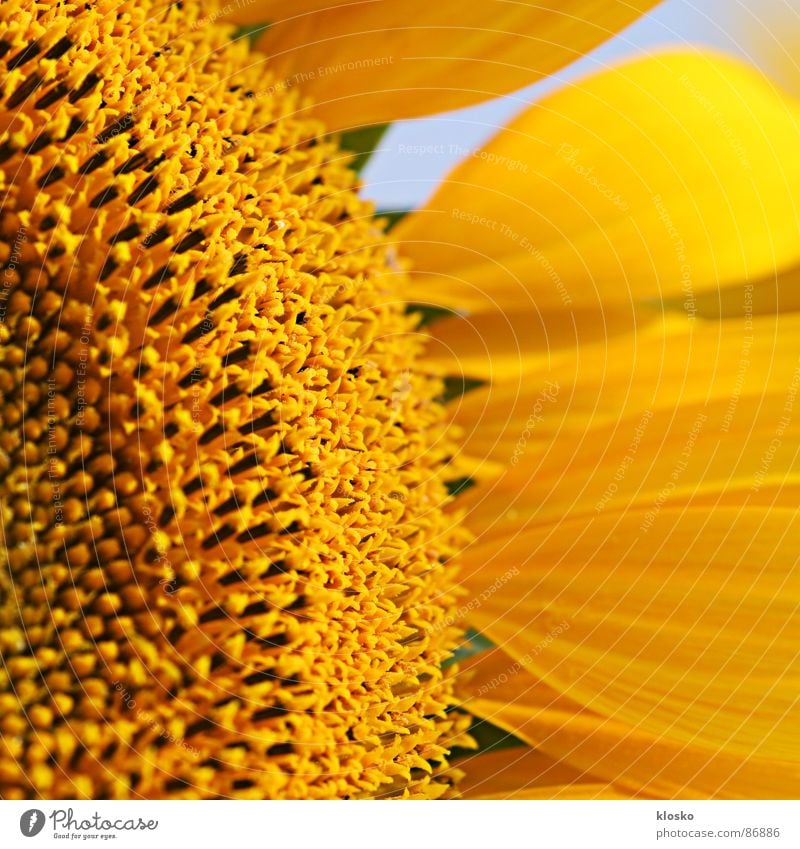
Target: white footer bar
point(402, 825)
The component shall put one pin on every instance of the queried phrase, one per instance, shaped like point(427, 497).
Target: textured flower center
point(222, 462)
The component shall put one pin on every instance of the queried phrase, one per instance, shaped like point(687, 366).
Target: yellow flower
point(229, 476)
point(630, 300)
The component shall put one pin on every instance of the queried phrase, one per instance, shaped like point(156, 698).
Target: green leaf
point(489, 738)
point(392, 216)
point(252, 32)
point(459, 485)
point(363, 143)
point(455, 387)
point(428, 313)
point(474, 643)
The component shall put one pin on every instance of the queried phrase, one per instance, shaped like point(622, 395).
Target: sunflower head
point(224, 461)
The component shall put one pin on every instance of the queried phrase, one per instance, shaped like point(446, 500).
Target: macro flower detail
point(224, 465)
point(490, 498)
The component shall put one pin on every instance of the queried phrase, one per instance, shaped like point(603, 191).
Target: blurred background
point(414, 156)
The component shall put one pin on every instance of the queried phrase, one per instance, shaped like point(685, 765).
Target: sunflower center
point(223, 464)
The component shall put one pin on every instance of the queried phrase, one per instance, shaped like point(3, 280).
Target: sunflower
point(269, 469)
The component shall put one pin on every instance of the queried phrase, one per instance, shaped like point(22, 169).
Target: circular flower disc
point(222, 459)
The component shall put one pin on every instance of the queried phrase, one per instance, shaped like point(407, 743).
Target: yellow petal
point(775, 293)
point(686, 630)
point(702, 415)
point(667, 365)
point(522, 773)
point(663, 178)
point(269, 10)
point(498, 346)
point(382, 60)
point(628, 756)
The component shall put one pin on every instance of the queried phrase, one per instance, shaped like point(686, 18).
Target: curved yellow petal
point(627, 755)
point(677, 460)
point(265, 11)
point(700, 415)
point(376, 61)
point(767, 296)
point(662, 178)
point(522, 773)
point(498, 346)
point(559, 398)
point(685, 629)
